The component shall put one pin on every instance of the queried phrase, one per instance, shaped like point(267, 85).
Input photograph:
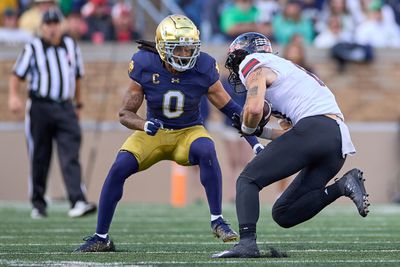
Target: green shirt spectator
point(243, 17)
point(291, 23)
point(235, 15)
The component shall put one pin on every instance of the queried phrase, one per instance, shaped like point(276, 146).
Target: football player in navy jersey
point(172, 76)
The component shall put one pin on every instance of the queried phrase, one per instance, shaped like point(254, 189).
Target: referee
point(52, 63)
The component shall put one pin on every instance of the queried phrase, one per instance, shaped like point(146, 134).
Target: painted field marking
point(208, 252)
point(151, 263)
point(209, 243)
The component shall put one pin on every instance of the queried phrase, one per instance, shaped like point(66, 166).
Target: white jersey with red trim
point(296, 93)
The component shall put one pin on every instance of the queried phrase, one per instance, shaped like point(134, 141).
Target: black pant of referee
point(50, 121)
point(53, 65)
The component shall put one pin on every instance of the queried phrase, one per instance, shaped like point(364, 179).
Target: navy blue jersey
point(173, 98)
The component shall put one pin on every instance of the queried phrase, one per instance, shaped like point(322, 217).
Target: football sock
point(124, 165)
point(332, 192)
point(102, 236)
point(214, 217)
point(247, 202)
point(202, 152)
point(247, 231)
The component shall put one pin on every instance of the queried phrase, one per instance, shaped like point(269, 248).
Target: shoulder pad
point(204, 63)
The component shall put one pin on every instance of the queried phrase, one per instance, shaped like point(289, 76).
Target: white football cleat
point(81, 208)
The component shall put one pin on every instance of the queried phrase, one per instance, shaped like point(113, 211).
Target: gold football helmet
point(178, 42)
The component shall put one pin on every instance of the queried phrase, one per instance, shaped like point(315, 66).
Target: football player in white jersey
point(315, 146)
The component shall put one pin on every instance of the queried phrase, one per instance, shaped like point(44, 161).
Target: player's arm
point(221, 100)
point(132, 101)
point(217, 95)
point(256, 85)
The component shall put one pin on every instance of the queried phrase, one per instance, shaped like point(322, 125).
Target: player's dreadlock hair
point(147, 45)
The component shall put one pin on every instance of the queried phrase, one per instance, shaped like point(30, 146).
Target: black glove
point(237, 123)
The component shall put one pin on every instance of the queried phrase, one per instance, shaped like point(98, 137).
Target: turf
point(159, 235)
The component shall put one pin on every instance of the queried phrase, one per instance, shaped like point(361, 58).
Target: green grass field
point(159, 235)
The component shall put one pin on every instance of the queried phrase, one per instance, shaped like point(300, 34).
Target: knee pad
point(280, 216)
point(243, 182)
point(202, 149)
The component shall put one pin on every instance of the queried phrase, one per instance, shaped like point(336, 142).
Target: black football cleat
point(222, 230)
point(96, 243)
point(352, 186)
point(246, 248)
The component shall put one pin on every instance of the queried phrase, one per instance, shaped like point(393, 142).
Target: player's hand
point(152, 125)
point(258, 148)
point(237, 122)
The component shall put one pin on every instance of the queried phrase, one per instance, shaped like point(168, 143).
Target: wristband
point(266, 133)
point(257, 148)
point(247, 130)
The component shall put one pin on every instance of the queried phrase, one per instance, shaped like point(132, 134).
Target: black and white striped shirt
point(51, 70)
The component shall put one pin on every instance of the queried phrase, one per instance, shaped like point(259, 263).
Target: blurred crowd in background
point(320, 23)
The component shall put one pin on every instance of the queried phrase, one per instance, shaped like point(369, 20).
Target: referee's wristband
point(247, 130)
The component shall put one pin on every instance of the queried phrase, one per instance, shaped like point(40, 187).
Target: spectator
point(24, 5)
point(377, 32)
point(340, 9)
point(50, 111)
point(71, 6)
point(395, 5)
point(9, 32)
point(7, 4)
point(98, 19)
point(291, 22)
point(124, 22)
point(242, 17)
point(267, 10)
point(295, 52)
point(191, 9)
point(333, 34)
point(388, 14)
point(76, 25)
point(210, 22)
point(30, 20)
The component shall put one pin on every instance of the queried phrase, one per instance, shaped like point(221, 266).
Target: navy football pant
point(202, 153)
point(312, 148)
point(124, 166)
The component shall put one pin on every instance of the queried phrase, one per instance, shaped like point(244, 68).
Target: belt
point(35, 97)
point(333, 117)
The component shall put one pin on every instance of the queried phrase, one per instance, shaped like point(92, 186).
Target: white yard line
point(209, 243)
point(294, 232)
point(261, 261)
point(208, 252)
point(261, 236)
